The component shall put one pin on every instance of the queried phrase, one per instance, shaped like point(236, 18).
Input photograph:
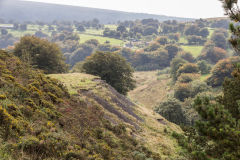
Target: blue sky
point(180, 8)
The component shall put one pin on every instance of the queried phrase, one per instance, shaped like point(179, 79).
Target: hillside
point(83, 118)
point(33, 11)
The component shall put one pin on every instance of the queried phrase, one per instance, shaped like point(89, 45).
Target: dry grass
point(150, 91)
point(76, 81)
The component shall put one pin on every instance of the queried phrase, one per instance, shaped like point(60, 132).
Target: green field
point(205, 77)
point(195, 50)
point(183, 40)
point(111, 26)
point(17, 33)
point(211, 30)
point(85, 37)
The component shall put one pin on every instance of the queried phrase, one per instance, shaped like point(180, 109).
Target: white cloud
point(180, 8)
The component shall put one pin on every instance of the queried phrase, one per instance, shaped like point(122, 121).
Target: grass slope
point(151, 132)
point(39, 119)
point(195, 50)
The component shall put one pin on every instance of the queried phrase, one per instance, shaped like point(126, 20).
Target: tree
point(222, 70)
point(196, 40)
point(121, 29)
point(176, 63)
point(212, 54)
point(187, 56)
point(172, 50)
point(23, 27)
point(187, 68)
point(219, 40)
point(171, 109)
point(220, 124)
point(204, 32)
point(4, 32)
point(81, 28)
point(191, 30)
point(112, 68)
point(150, 31)
point(162, 40)
point(204, 67)
point(41, 53)
point(40, 34)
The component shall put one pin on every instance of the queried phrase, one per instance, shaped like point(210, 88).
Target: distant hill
point(35, 11)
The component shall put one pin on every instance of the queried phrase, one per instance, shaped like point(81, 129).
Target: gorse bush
point(187, 68)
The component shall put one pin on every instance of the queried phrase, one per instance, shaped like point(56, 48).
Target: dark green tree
point(41, 53)
point(112, 68)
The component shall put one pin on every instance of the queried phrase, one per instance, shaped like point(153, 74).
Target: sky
point(178, 8)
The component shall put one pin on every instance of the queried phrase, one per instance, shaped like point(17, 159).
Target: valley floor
point(151, 90)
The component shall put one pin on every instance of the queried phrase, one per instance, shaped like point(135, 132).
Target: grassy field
point(195, 50)
point(111, 26)
point(205, 77)
point(211, 30)
point(85, 37)
point(18, 34)
point(183, 40)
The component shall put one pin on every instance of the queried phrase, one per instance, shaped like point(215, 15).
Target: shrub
point(219, 40)
point(196, 40)
point(171, 110)
point(212, 54)
point(204, 67)
point(162, 40)
point(183, 91)
point(188, 77)
point(176, 63)
point(199, 86)
point(187, 68)
point(222, 70)
point(41, 53)
point(187, 56)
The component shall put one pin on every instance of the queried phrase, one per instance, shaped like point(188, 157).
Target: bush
point(171, 110)
point(188, 77)
point(199, 86)
point(187, 56)
point(41, 53)
point(212, 54)
point(219, 40)
point(183, 91)
point(187, 68)
point(196, 40)
point(162, 40)
point(222, 70)
point(176, 63)
point(172, 50)
point(204, 67)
